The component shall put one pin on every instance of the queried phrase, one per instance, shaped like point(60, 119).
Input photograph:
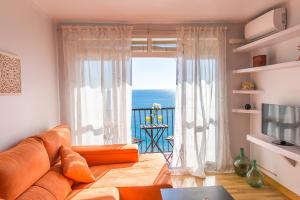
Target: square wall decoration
point(10, 74)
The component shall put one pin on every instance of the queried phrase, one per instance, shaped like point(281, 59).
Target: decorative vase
point(255, 177)
point(248, 106)
point(260, 60)
point(155, 108)
point(241, 164)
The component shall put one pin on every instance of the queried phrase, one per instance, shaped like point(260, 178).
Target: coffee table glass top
point(196, 193)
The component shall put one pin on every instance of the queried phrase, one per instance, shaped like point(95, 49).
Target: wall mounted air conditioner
point(270, 22)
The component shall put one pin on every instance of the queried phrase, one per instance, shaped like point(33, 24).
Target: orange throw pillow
point(74, 166)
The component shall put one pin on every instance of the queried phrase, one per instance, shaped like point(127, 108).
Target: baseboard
point(288, 193)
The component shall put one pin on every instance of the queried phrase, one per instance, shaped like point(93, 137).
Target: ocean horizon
point(145, 98)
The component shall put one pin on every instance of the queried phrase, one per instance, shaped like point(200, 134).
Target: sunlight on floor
point(234, 184)
point(209, 181)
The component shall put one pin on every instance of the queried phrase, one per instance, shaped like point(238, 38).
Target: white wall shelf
point(279, 66)
point(291, 153)
point(247, 91)
point(244, 111)
point(281, 36)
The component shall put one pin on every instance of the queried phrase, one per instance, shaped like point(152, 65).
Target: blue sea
point(142, 101)
point(145, 98)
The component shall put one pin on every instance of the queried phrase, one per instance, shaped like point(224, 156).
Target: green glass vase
point(241, 164)
point(255, 177)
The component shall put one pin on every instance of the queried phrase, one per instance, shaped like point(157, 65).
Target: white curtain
point(97, 68)
point(201, 138)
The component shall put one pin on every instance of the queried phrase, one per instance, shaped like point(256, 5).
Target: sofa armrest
point(108, 154)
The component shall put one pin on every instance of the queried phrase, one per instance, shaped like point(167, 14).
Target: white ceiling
point(155, 11)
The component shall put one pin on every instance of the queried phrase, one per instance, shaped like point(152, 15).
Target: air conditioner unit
point(270, 22)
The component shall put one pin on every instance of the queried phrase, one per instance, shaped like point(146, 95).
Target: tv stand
point(282, 142)
point(290, 153)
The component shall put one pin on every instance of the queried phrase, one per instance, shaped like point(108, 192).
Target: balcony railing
point(139, 135)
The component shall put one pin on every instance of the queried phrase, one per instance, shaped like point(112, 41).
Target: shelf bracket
point(291, 161)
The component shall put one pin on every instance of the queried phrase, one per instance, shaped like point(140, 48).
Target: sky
point(153, 73)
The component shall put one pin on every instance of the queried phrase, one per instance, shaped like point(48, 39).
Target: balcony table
point(155, 137)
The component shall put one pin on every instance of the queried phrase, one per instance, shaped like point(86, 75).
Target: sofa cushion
point(53, 139)
point(108, 154)
point(108, 193)
point(21, 166)
point(140, 180)
point(55, 182)
point(74, 166)
point(36, 193)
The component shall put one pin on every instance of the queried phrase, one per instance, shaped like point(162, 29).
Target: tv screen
point(281, 122)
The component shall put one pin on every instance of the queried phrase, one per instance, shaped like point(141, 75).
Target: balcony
point(163, 137)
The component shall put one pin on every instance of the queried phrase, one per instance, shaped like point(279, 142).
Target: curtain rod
point(151, 27)
point(160, 30)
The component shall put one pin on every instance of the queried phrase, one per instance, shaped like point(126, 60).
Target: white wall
point(281, 87)
point(27, 32)
point(238, 123)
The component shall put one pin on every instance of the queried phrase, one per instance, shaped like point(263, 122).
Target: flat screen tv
point(282, 123)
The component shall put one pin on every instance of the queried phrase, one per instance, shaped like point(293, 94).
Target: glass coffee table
point(196, 193)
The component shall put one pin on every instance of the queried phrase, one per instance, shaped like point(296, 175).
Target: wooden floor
point(234, 184)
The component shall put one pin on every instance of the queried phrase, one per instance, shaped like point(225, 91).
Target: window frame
point(149, 52)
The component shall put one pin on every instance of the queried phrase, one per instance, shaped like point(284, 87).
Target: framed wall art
point(10, 74)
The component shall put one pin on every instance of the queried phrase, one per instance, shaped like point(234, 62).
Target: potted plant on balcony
point(154, 118)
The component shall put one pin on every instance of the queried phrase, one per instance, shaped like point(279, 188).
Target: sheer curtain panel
point(97, 83)
point(201, 138)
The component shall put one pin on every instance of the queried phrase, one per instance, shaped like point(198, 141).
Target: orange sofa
point(32, 170)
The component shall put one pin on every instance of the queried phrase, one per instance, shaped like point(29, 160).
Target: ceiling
point(155, 11)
